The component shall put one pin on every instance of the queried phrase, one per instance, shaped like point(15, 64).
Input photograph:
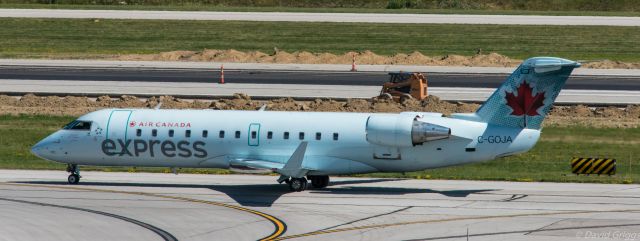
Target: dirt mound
point(304, 57)
point(633, 111)
point(74, 106)
point(365, 57)
point(608, 64)
point(284, 104)
point(577, 111)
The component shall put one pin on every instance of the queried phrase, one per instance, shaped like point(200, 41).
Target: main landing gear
point(319, 181)
point(300, 184)
point(74, 177)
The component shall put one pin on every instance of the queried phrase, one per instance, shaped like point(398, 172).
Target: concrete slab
point(207, 90)
point(290, 67)
point(325, 17)
point(205, 207)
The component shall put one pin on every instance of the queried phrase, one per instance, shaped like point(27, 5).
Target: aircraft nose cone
point(45, 148)
point(38, 149)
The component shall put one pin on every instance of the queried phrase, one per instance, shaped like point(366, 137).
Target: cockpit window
point(78, 125)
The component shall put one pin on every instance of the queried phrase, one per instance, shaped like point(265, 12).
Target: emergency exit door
point(254, 134)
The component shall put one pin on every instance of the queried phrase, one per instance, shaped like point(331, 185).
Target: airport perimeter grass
point(66, 38)
point(548, 161)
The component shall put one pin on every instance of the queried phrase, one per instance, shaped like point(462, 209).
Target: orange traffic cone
point(353, 63)
point(222, 74)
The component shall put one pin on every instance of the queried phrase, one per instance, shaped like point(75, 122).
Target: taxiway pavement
point(303, 81)
point(39, 205)
point(269, 91)
point(325, 17)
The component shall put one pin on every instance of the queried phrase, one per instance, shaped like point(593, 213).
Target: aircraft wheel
point(73, 179)
point(298, 184)
point(319, 181)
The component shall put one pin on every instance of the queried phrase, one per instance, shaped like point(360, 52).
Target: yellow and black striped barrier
point(593, 166)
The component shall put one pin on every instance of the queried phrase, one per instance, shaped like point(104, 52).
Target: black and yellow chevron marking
point(593, 166)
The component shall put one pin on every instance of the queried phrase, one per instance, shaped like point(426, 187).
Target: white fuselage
point(337, 142)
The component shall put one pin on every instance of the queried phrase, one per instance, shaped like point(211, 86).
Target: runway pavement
point(194, 80)
point(39, 205)
point(270, 91)
point(459, 78)
point(325, 17)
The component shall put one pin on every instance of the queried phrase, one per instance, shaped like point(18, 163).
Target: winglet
point(263, 107)
point(293, 167)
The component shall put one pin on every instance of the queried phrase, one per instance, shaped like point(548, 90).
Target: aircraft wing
point(292, 168)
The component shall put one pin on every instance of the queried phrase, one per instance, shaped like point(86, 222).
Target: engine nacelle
point(402, 130)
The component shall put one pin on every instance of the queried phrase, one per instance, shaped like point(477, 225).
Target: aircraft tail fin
point(526, 97)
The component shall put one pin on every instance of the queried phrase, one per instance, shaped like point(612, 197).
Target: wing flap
point(292, 168)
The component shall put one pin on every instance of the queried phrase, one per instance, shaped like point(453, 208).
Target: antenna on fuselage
point(263, 107)
point(157, 107)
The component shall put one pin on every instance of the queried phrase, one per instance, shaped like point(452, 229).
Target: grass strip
point(69, 38)
point(547, 161)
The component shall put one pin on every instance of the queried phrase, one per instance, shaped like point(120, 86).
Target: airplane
point(311, 146)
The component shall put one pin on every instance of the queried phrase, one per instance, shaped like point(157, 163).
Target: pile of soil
point(366, 57)
point(628, 117)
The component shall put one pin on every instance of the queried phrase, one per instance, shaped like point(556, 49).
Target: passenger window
point(187, 133)
point(78, 125)
point(205, 133)
point(221, 134)
point(301, 135)
point(154, 132)
point(286, 135)
point(254, 135)
point(335, 136)
point(269, 135)
point(170, 133)
point(318, 136)
point(138, 132)
point(237, 134)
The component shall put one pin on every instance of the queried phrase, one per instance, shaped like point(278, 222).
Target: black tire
point(405, 97)
point(298, 184)
point(319, 181)
point(386, 96)
point(73, 179)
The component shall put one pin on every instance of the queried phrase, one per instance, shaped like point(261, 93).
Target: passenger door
point(118, 124)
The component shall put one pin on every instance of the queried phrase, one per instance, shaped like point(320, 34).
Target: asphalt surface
point(205, 91)
point(39, 205)
point(326, 17)
point(465, 80)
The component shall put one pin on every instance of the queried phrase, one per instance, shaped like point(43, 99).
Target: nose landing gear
point(74, 177)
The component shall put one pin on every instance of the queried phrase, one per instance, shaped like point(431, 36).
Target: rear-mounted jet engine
point(403, 131)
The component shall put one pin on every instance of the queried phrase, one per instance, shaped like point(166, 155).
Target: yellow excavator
point(405, 85)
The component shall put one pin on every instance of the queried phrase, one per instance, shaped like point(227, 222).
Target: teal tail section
point(526, 97)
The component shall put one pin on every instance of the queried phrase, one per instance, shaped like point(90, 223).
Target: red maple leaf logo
point(132, 123)
point(525, 103)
